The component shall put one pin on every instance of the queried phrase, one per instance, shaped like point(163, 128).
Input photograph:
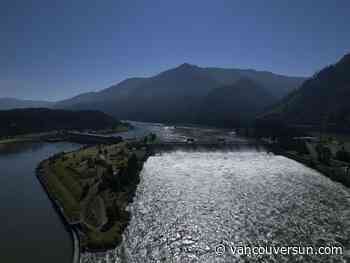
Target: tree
point(153, 137)
point(145, 140)
point(324, 154)
point(130, 173)
point(343, 155)
point(90, 163)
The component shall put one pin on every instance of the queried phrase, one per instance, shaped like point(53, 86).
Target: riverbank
point(91, 188)
point(336, 173)
point(27, 137)
point(58, 136)
point(123, 127)
point(56, 205)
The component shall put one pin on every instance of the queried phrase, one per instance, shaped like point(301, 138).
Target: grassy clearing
point(65, 198)
point(93, 186)
point(67, 178)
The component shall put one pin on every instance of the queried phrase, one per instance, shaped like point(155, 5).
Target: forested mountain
point(21, 121)
point(11, 103)
point(234, 105)
point(323, 100)
point(180, 94)
point(277, 85)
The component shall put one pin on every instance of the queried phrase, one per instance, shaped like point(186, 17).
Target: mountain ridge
point(174, 95)
point(186, 83)
point(35, 120)
point(235, 104)
point(320, 101)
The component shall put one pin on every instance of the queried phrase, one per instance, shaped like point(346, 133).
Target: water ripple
point(188, 202)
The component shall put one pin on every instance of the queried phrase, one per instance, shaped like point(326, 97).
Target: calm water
point(30, 231)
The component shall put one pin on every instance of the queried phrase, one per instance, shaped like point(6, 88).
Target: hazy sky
point(52, 49)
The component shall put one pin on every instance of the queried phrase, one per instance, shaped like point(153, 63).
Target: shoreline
point(59, 209)
point(24, 138)
point(80, 253)
point(76, 226)
point(55, 136)
point(327, 171)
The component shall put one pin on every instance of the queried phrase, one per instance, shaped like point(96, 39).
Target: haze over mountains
point(187, 94)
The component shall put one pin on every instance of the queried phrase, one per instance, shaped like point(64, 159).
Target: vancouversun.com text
point(250, 251)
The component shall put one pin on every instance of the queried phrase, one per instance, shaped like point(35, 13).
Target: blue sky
point(56, 49)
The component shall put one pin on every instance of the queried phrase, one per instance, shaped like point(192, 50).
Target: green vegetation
point(24, 138)
point(61, 193)
point(67, 178)
point(322, 101)
point(120, 127)
point(343, 155)
point(26, 121)
point(324, 154)
point(103, 240)
point(94, 186)
point(150, 138)
point(234, 105)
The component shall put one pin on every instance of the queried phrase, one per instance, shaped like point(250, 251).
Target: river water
point(30, 229)
point(187, 204)
point(190, 203)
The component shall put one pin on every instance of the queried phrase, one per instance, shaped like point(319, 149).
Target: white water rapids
point(189, 202)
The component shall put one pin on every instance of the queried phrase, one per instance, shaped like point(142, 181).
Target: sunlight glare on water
point(189, 202)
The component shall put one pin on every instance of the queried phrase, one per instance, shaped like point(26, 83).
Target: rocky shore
point(338, 171)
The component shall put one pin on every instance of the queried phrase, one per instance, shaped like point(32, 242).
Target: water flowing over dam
point(189, 202)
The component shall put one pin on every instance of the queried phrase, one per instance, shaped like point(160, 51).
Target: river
point(187, 204)
point(191, 203)
point(31, 230)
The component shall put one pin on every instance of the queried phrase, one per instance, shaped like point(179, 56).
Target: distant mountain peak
point(182, 70)
point(176, 94)
point(187, 66)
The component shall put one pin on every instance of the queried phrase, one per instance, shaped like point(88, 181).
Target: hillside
point(322, 100)
point(277, 85)
point(12, 103)
point(150, 99)
point(234, 105)
point(21, 121)
point(175, 95)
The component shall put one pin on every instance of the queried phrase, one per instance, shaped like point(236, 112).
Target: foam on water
point(189, 202)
